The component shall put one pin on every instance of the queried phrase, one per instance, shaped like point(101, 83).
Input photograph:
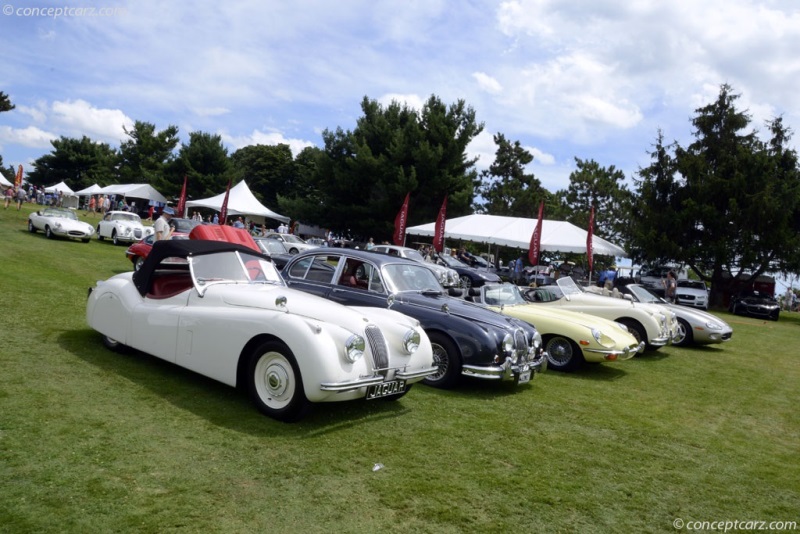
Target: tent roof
point(135, 191)
point(59, 187)
point(4, 182)
point(241, 201)
point(91, 190)
point(557, 236)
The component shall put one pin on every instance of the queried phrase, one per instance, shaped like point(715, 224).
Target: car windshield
point(480, 262)
point(290, 238)
point(184, 225)
point(408, 277)
point(61, 214)
point(271, 246)
point(122, 216)
point(452, 262)
point(568, 286)
point(642, 294)
point(237, 267)
point(502, 295)
point(412, 254)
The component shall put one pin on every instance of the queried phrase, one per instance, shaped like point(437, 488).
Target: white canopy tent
point(91, 190)
point(5, 183)
point(145, 191)
point(60, 187)
point(241, 201)
point(557, 236)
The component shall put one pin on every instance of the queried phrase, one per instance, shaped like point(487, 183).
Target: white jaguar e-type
point(60, 222)
point(222, 310)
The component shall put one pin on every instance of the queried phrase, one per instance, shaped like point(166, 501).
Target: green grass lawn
point(94, 441)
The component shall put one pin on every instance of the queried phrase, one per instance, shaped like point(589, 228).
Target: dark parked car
point(275, 249)
point(466, 338)
point(755, 304)
point(470, 277)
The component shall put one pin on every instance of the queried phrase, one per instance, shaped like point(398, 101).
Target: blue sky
point(585, 78)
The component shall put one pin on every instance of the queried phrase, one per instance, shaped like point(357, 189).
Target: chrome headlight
point(454, 278)
point(354, 348)
point(711, 325)
point(537, 341)
point(508, 344)
point(411, 341)
point(57, 225)
point(597, 335)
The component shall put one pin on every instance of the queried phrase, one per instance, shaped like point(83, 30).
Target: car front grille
point(137, 233)
point(377, 346)
point(521, 344)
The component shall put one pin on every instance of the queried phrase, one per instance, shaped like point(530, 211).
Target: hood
point(685, 311)
point(456, 307)
point(579, 318)
point(298, 303)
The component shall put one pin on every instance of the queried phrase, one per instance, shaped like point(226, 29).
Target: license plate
point(386, 389)
point(524, 376)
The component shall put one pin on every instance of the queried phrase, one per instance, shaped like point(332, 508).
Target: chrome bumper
point(507, 370)
point(374, 380)
point(632, 351)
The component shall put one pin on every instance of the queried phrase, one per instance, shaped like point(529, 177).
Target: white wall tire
point(275, 385)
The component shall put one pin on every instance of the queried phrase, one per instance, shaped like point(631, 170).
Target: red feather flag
point(400, 222)
point(536, 239)
point(181, 208)
point(589, 250)
point(18, 178)
point(438, 234)
point(223, 211)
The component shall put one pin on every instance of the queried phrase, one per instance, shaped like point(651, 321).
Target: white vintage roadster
point(222, 310)
point(60, 222)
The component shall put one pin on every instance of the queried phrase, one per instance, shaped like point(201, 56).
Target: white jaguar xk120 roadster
point(222, 310)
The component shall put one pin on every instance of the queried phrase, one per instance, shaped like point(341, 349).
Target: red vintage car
point(138, 251)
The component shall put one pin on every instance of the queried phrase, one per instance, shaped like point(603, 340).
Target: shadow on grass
point(215, 402)
point(600, 372)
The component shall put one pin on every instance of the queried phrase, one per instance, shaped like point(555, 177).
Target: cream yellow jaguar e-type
point(570, 338)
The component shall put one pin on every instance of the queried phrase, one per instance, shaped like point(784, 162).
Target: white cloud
point(37, 113)
point(540, 156)
point(211, 112)
point(413, 101)
point(487, 83)
point(78, 118)
point(31, 137)
point(258, 137)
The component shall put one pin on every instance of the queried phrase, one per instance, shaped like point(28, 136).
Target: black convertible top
point(182, 248)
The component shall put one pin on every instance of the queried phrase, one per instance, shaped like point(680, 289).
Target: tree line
point(729, 202)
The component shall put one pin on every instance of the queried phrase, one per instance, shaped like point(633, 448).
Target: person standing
point(162, 226)
point(518, 266)
point(21, 196)
point(670, 287)
point(91, 205)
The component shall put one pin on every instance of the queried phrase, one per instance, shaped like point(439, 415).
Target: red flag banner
point(223, 211)
point(438, 234)
point(400, 223)
point(589, 249)
point(181, 208)
point(536, 239)
point(18, 178)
